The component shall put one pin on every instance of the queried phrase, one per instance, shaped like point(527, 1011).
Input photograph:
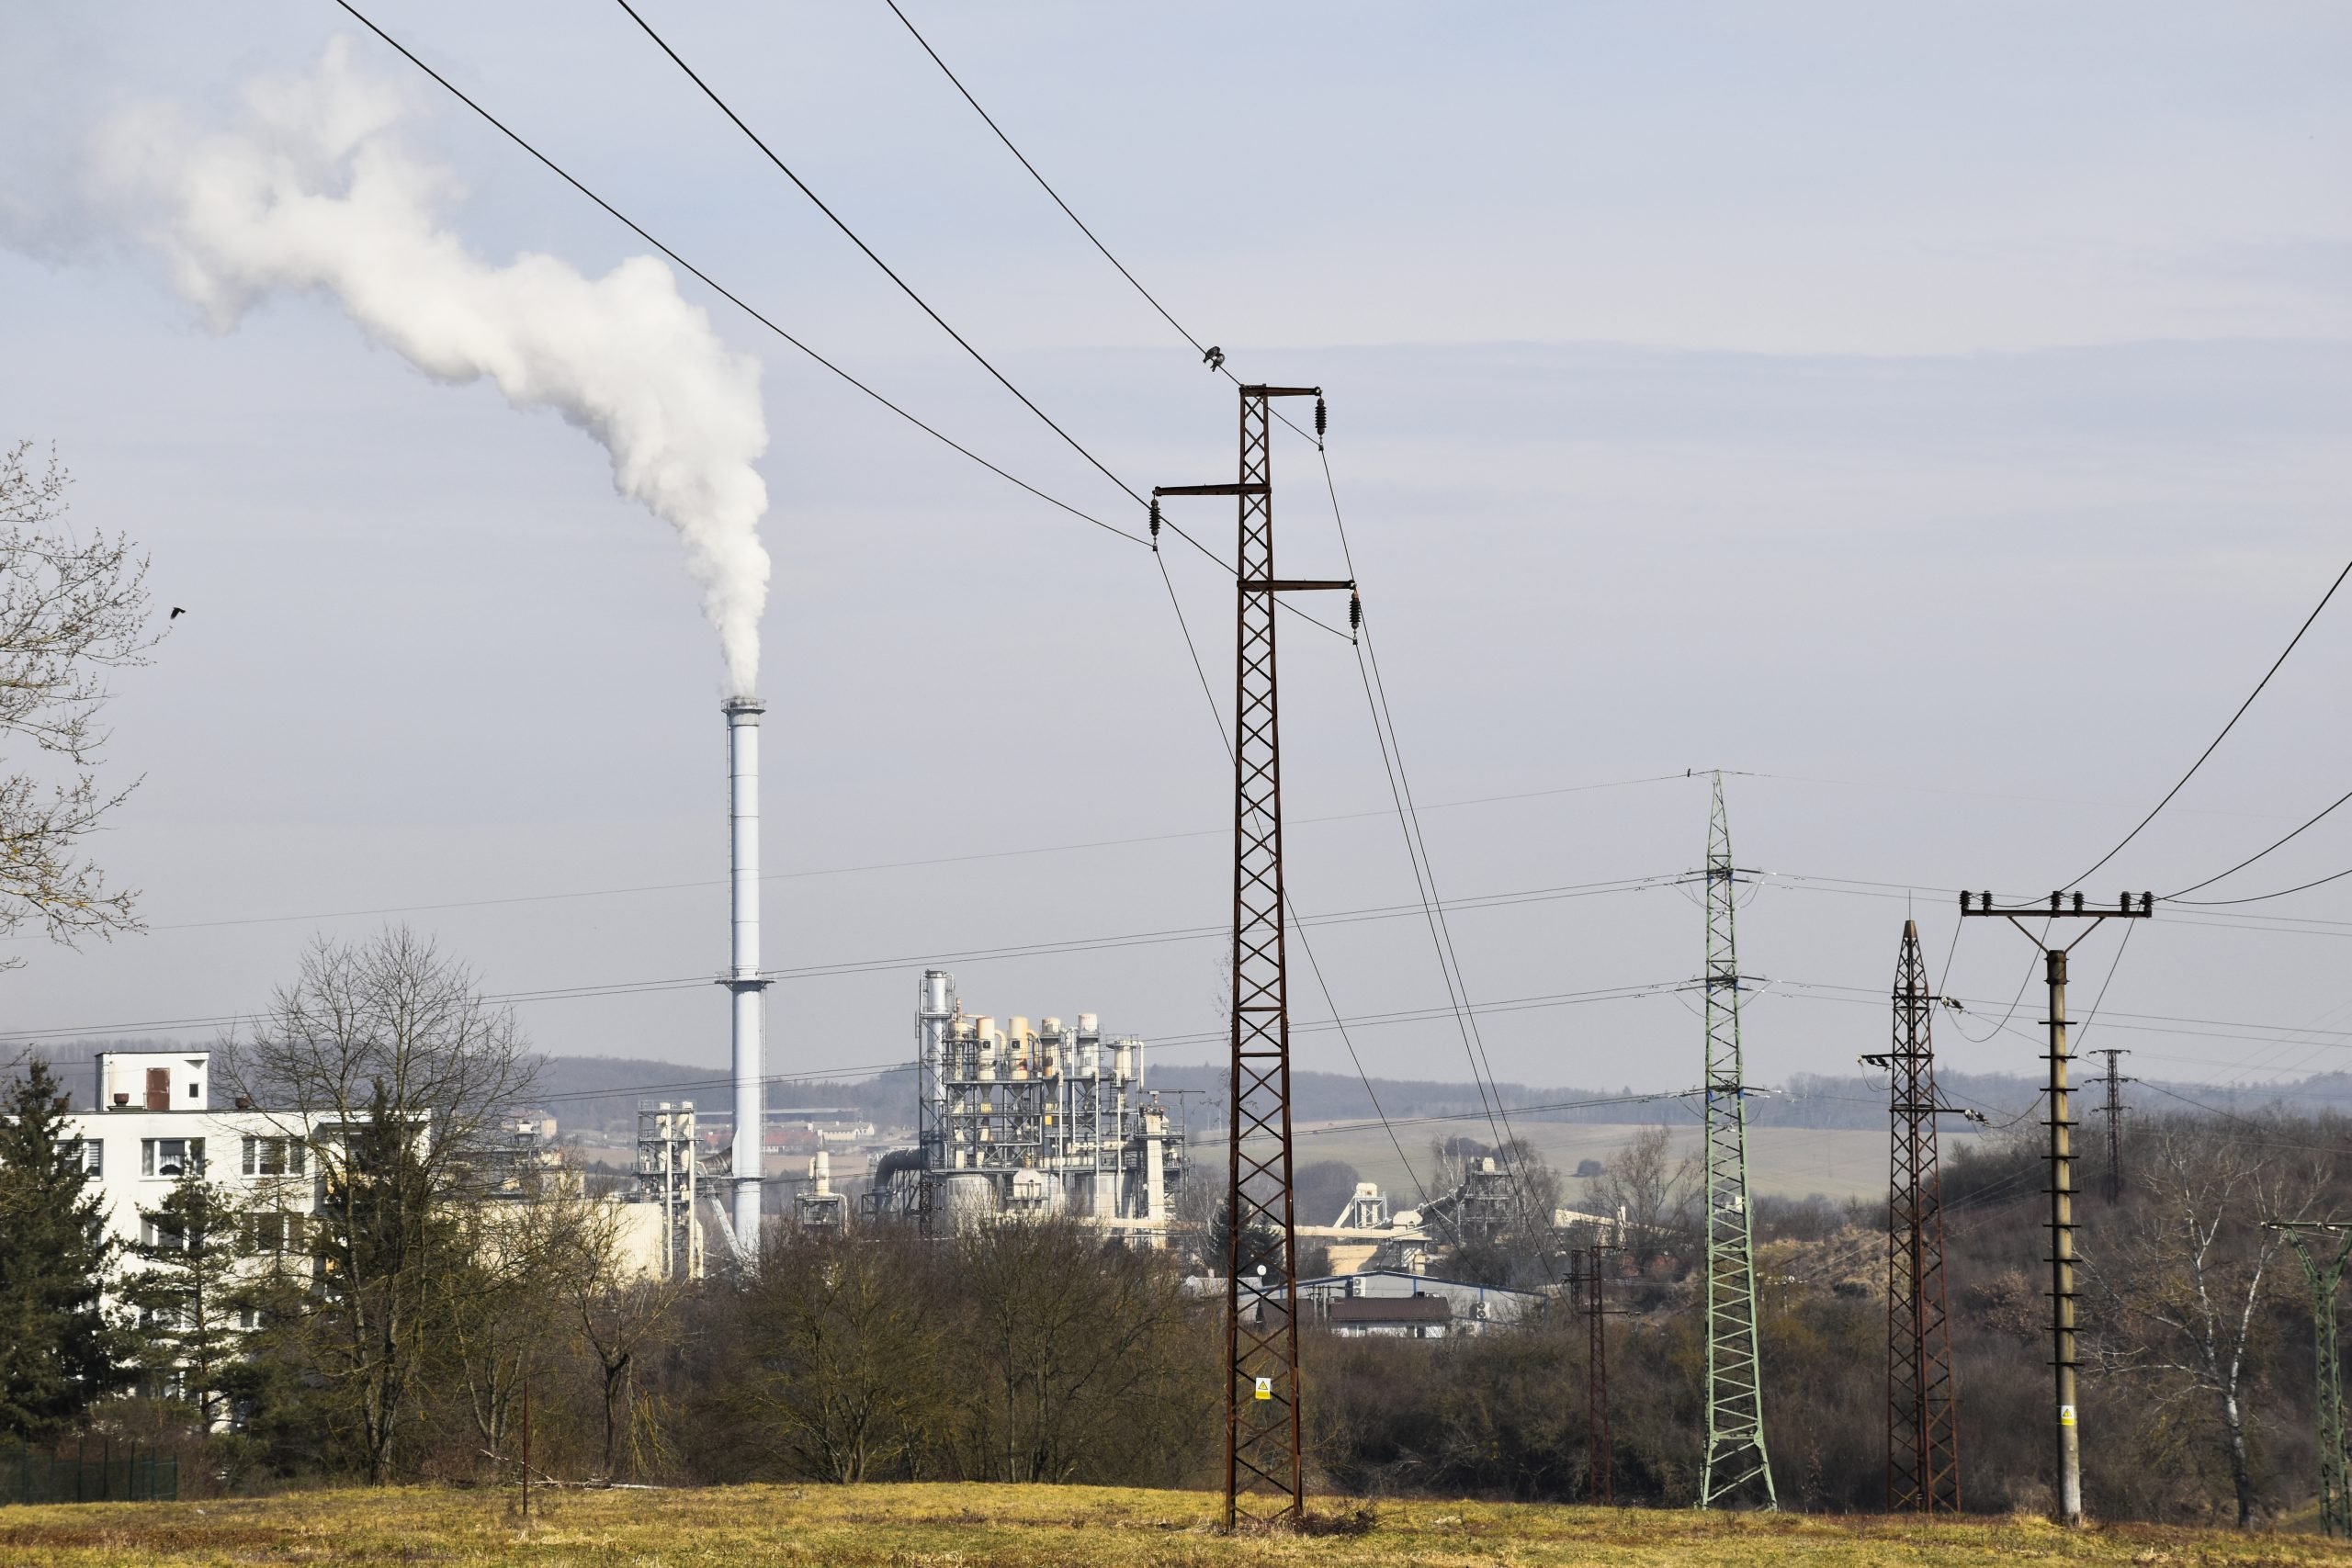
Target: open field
point(1791, 1162)
point(978, 1527)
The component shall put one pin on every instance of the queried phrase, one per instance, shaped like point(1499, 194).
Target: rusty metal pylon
point(1922, 1402)
point(1265, 1472)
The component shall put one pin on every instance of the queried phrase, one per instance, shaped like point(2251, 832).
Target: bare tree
point(71, 609)
point(1078, 1350)
point(525, 1264)
point(385, 1055)
point(622, 1312)
point(838, 1362)
point(2185, 1278)
point(1651, 1192)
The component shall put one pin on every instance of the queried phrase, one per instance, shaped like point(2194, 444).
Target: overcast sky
point(1938, 418)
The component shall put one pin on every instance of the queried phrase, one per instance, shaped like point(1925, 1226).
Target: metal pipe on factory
point(743, 979)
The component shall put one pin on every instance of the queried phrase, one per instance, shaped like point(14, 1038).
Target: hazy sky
point(1939, 418)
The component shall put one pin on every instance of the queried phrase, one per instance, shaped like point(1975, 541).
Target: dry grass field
point(978, 1527)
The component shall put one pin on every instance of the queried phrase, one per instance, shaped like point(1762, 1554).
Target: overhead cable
point(720, 290)
point(925, 306)
point(888, 271)
point(1201, 348)
point(1210, 354)
point(2225, 728)
point(2255, 856)
point(2263, 897)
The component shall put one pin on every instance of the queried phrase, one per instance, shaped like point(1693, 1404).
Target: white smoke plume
point(311, 192)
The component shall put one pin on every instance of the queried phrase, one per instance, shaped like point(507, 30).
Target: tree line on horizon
point(433, 1321)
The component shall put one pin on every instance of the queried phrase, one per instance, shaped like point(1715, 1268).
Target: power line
point(871, 1069)
point(925, 305)
point(904, 286)
point(1433, 1014)
point(1440, 930)
point(2255, 856)
point(2146, 1022)
point(1333, 1128)
point(2225, 728)
point(871, 866)
point(720, 290)
point(986, 119)
point(867, 965)
point(1210, 355)
point(1392, 758)
point(2100, 1000)
point(2261, 897)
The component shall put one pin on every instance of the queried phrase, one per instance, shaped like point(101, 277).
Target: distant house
point(1399, 1303)
point(1401, 1317)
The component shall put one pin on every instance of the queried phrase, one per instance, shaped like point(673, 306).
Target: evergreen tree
point(186, 1288)
point(57, 1353)
point(285, 1419)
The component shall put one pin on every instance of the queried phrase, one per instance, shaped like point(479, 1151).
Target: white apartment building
point(152, 1119)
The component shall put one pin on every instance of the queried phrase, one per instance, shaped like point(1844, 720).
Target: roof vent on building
point(121, 1099)
point(243, 1103)
point(63, 1102)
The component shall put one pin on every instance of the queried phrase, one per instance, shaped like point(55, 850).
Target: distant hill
point(603, 1091)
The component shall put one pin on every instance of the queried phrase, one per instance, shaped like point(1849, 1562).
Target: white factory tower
point(1054, 1120)
point(743, 978)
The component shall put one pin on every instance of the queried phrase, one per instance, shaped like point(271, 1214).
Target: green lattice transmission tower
point(1736, 1469)
point(2326, 1281)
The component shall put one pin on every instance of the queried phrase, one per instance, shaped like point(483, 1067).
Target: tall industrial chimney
point(743, 979)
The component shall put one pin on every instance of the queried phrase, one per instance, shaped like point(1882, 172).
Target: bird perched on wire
point(176, 615)
point(1213, 358)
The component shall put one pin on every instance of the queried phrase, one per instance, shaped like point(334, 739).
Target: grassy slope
point(975, 1526)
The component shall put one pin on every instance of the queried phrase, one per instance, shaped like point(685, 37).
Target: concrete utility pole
point(2062, 907)
point(1263, 1458)
point(2334, 1504)
point(2112, 1180)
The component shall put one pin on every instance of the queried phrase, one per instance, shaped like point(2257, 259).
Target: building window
point(271, 1233)
point(273, 1157)
point(171, 1157)
point(169, 1234)
point(93, 1154)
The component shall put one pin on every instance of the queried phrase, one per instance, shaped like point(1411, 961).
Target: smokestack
point(743, 979)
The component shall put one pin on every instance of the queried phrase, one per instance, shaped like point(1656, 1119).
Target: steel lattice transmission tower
point(1922, 1402)
point(1262, 1461)
point(2335, 1499)
point(2112, 1180)
point(1736, 1468)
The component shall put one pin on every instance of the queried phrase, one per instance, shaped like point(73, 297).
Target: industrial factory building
point(1020, 1121)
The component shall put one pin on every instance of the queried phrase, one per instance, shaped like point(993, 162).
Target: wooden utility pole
point(526, 1439)
point(1588, 1273)
point(2062, 907)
